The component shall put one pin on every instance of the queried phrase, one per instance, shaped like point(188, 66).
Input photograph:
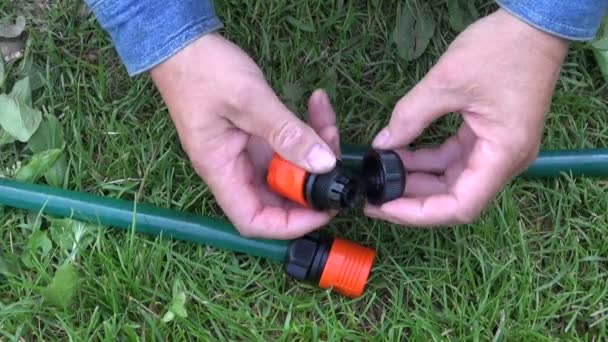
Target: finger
point(322, 119)
point(483, 176)
point(431, 160)
point(415, 112)
point(237, 193)
point(436, 160)
point(424, 184)
point(264, 115)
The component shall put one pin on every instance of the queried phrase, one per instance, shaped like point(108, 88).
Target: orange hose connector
point(347, 269)
point(287, 180)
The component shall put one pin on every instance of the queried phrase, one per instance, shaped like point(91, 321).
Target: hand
point(230, 122)
point(499, 74)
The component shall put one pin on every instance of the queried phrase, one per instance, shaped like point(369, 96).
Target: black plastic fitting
point(338, 189)
point(307, 256)
point(384, 176)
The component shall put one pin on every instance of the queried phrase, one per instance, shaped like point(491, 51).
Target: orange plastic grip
point(347, 269)
point(287, 180)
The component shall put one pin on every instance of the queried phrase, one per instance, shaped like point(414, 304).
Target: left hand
point(500, 75)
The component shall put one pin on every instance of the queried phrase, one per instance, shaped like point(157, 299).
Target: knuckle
point(524, 150)
point(286, 135)
point(243, 94)
point(447, 76)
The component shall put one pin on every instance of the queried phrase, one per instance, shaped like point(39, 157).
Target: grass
point(534, 267)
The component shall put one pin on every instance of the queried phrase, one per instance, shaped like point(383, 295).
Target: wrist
point(527, 36)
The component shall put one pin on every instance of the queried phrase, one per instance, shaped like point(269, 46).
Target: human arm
point(228, 118)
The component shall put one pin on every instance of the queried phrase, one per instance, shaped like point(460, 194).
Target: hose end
point(332, 263)
point(347, 268)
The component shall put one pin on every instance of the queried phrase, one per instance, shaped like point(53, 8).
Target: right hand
point(230, 122)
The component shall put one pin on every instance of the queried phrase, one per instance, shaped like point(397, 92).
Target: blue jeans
point(147, 32)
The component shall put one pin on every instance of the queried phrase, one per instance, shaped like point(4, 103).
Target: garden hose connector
point(384, 176)
point(336, 189)
point(331, 263)
point(381, 179)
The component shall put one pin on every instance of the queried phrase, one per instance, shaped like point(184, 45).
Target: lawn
point(534, 266)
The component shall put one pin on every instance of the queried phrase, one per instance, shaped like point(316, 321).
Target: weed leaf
point(13, 30)
point(413, 32)
point(22, 91)
point(29, 69)
point(49, 135)
point(17, 118)
point(38, 166)
point(177, 306)
point(8, 264)
point(63, 287)
point(461, 13)
point(39, 246)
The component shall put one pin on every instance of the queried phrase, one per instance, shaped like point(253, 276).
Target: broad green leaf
point(413, 32)
point(17, 118)
point(8, 264)
point(461, 13)
point(5, 138)
point(63, 287)
point(38, 166)
point(13, 30)
point(32, 71)
point(49, 135)
point(38, 246)
point(177, 306)
point(600, 44)
point(56, 174)
point(22, 91)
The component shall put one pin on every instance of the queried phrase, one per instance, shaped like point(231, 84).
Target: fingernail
point(383, 138)
point(323, 98)
point(319, 158)
point(320, 98)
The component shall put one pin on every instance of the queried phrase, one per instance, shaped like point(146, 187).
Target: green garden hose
point(330, 262)
point(147, 219)
point(549, 163)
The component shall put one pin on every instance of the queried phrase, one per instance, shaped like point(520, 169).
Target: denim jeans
point(147, 32)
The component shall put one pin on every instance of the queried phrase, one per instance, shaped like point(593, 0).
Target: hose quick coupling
point(331, 263)
point(380, 180)
point(336, 189)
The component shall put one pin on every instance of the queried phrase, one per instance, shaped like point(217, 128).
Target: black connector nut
point(384, 176)
point(337, 189)
point(307, 256)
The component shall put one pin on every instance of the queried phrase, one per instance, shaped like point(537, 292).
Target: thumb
point(267, 117)
point(414, 112)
